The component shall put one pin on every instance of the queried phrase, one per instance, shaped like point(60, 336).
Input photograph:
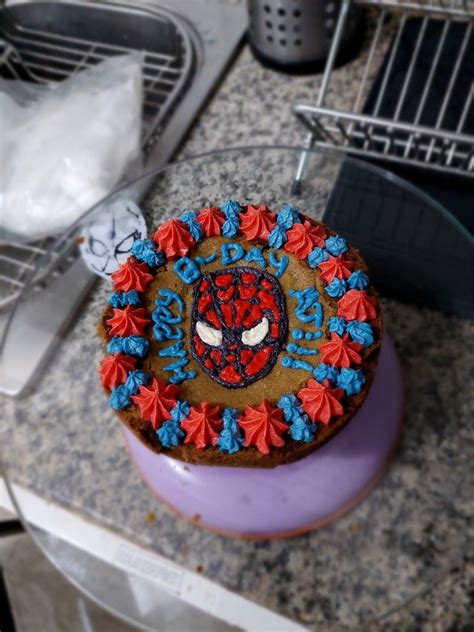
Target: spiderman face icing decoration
point(238, 325)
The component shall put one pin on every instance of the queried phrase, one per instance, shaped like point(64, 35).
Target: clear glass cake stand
point(64, 458)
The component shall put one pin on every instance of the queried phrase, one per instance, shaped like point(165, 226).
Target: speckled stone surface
point(409, 538)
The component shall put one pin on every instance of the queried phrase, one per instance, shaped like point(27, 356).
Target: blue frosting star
point(291, 407)
point(135, 379)
point(287, 217)
point(351, 380)
point(230, 439)
point(326, 372)
point(337, 324)
point(145, 250)
point(230, 228)
point(336, 245)
point(277, 237)
point(119, 397)
point(170, 434)
point(302, 429)
point(180, 411)
point(130, 345)
point(317, 256)
point(358, 280)
point(231, 208)
point(122, 299)
point(360, 332)
point(194, 227)
point(336, 288)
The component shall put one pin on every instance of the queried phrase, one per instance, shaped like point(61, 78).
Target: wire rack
point(385, 120)
point(44, 56)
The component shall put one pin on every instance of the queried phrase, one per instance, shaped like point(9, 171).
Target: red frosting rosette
point(257, 222)
point(357, 305)
point(132, 275)
point(263, 426)
point(211, 219)
point(174, 238)
point(114, 369)
point(302, 238)
point(156, 400)
point(202, 425)
point(335, 267)
point(341, 352)
point(128, 322)
point(320, 401)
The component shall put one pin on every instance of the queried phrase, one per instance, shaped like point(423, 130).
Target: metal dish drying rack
point(398, 138)
point(39, 51)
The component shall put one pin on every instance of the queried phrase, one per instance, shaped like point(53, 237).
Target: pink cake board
point(289, 499)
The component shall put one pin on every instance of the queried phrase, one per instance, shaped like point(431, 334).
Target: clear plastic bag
point(63, 147)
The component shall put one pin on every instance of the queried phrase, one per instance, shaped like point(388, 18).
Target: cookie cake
point(240, 336)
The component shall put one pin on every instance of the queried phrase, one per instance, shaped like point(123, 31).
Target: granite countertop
point(333, 578)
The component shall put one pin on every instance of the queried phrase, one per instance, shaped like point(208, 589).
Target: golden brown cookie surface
point(240, 337)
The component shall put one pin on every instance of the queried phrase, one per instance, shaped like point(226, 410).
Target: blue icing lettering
point(287, 217)
point(135, 379)
point(162, 307)
point(194, 227)
point(255, 254)
point(163, 331)
point(177, 369)
point(336, 288)
point(291, 407)
point(351, 380)
point(294, 348)
point(317, 256)
point(175, 350)
point(187, 270)
point(122, 299)
point(313, 335)
point(205, 260)
point(336, 245)
point(163, 317)
point(231, 253)
point(180, 411)
point(130, 345)
point(302, 429)
point(297, 334)
point(308, 309)
point(230, 439)
point(145, 250)
point(280, 265)
point(360, 332)
point(277, 237)
point(292, 363)
point(358, 280)
point(119, 397)
point(326, 372)
point(170, 434)
point(337, 324)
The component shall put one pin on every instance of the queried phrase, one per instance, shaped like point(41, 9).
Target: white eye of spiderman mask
point(238, 325)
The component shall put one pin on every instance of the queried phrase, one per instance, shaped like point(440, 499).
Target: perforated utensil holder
point(293, 34)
